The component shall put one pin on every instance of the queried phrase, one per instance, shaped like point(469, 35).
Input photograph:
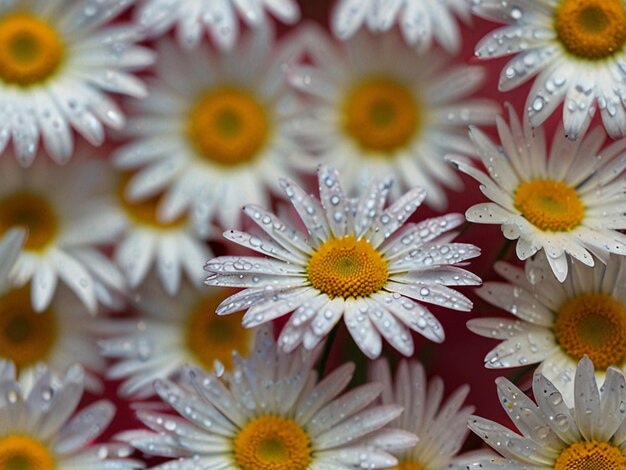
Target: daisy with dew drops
point(574, 49)
point(10, 245)
point(569, 201)
point(271, 413)
point(58, 62)
point(171, 332)
point(359, 260)
point(376, 108)
point(588, 435)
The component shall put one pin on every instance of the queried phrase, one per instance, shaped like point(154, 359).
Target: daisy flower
point(440, 427)
point(171, 247)
point(568, 203)
point(272, 413)
point(421, 21)
point(214, 132)
point(172, 332)
point(589, 435)
point(40, 429)
point(557, 323)
point(575, 48)
point(66, 215)
point(349, 265)
point(377, 109)
point(220, 18)
point(57, 62)
point(10, 245)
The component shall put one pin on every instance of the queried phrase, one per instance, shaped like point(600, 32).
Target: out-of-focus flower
point(350, 265)
point(215, 132)
point(40, 430)
point(172, 332)
point(10, 245)
point(57, 62)
point(67, 214)
point(557, 324)
point(575, 48)
point(589, 435)
point(271, 412)
point(377, 108)
point(220, 18)
point(440, 427)
point(421, 21)
point(570, 202)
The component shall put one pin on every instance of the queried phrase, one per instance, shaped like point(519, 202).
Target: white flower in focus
point(10, 245)
point(272, 413)
point(58, 61)
point(360, 261)
point(569, 201)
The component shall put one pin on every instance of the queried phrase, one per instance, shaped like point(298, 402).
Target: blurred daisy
point(570, 202)
point(440, 427)
point(172, 247)
point(272, 413)
point(40, 430)
point(421, 21)
point(591, 435)
point(172, 332)
point(378, 109)
point(57, 62)
point(575, 48)
point(66, 216)
point(220, 18)
point(10, 246)
point(214, 133)
point(558, 324)
point(350, 265)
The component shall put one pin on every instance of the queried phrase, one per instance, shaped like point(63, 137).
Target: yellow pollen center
point(347, 267)
point(26, 337)
point(24, 453)
point(408, 466)
point(549, 205)
point(228, 126)
point(30, 50)
point(591, 455)
point(211, 337)
point(272, 443)
point(382, 115)
point(595, 325)
point(591, 29)
point(33, 212)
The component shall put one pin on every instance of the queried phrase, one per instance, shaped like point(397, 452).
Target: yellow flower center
point(228, 126)
point(26, 337)
point(408, 466)
point(30, 50)
point(24, 453)
point(347, 267)
point(591, 29)
point(33, 212)
point(272, 443)
point(595, 325)
point(591, 455)
point(549, 205)
point(211, 337)
point(382, 115)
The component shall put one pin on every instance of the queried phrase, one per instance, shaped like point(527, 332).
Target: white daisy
point(421, 21)
point(377, 109)
point(590, 435)
point(172, 332)
point(272, 413)
point(57, 62)
point(10, 245)
point(220, 18)
point(570, 202)
point(67, 216)
point(575, 48)
point(440, 427)
point(215, 132)
point(41, 431)
point(557, 324)
point(349, 265)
